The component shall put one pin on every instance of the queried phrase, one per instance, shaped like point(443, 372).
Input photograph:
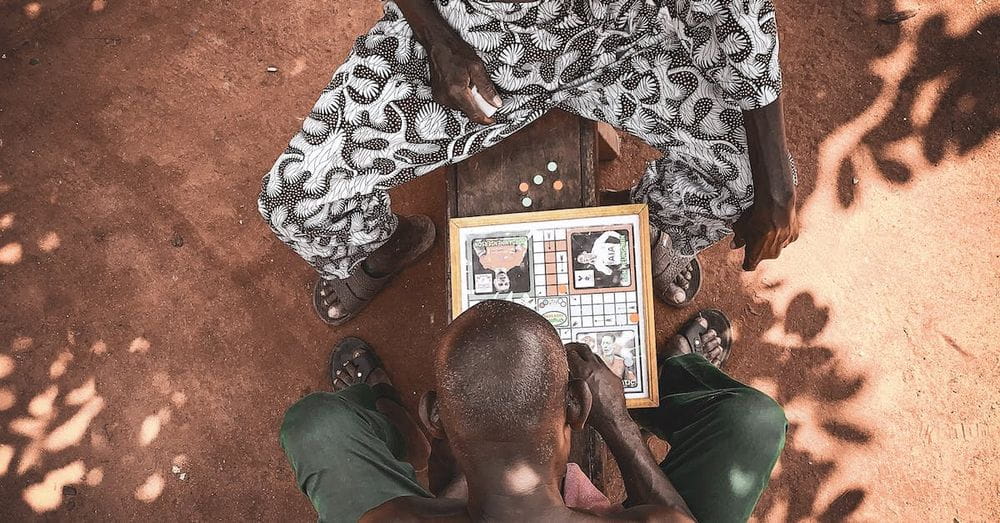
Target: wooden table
point(488, 183)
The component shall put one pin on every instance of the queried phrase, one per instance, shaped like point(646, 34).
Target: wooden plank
point(609, 142)
point(488, 182)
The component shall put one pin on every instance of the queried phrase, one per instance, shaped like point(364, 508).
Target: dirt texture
point(152, 331)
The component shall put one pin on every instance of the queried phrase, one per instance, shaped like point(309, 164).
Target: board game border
point(455, 225)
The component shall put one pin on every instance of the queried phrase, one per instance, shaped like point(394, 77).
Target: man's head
point(503, 389)
point(501, 281)
point(586, 258)
point(607, 345)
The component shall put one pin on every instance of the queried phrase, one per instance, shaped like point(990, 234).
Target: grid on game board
point(604, 309)
point(551, 263)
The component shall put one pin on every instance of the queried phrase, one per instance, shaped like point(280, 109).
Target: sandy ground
point(152, 331)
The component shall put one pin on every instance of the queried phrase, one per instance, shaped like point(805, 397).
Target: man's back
point(412, 508)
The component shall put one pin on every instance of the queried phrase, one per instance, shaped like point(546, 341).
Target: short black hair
point(501, 376)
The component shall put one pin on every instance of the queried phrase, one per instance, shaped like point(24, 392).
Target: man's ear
point(429, 415)
point(578, 403)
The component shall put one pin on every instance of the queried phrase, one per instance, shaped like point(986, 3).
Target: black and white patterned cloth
point(675, 73)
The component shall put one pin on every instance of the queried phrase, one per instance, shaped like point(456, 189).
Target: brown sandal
point(661, 258)
point(355, 291)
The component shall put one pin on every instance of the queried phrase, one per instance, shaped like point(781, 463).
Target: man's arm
point(771, 223)
point(645, 482)
point(454, 65)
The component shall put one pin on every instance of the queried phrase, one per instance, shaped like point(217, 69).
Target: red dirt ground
point(149, 319)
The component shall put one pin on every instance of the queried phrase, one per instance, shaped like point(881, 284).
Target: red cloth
point(580, 493)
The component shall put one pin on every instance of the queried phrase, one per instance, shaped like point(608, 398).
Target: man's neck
point(512, 491)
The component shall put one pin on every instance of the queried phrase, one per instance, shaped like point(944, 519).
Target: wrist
point(616, 425)
point(436, 34)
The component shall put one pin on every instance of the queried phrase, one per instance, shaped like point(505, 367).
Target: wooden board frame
point(641, 210)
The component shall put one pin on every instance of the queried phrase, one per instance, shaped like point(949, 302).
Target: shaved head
point(501, 376)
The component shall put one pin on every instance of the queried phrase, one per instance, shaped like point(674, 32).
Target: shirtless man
point(508, 396)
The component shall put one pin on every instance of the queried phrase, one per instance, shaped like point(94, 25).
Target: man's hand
point(456, 68)
point(454, 65)
point(606, 389)
point(771, 223)
point(765, 229)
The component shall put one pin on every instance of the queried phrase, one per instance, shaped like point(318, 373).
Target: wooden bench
point(491, 181)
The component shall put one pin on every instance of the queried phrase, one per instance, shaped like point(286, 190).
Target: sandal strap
point(355, 291)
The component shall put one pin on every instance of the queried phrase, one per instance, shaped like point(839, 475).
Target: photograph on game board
point(601, 258)
point(501, 265)
point(617, 348)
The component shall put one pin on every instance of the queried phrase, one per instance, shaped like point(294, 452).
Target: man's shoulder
point(416, 508)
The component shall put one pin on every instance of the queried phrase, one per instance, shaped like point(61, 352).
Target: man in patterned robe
point(697, 79)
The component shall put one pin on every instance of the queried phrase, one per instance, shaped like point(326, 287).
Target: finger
point(737, 241)
point(752, 256)
point(579, 350)
point(479, 78)
point(467, 104)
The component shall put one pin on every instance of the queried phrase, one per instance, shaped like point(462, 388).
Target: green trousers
point(724, 436)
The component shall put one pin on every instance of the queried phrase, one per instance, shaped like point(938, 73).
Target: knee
point(315, 420)
point(756, 419)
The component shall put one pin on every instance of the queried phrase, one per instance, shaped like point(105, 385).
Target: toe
point(702, 321)
point(677, 294)
point(334, 311)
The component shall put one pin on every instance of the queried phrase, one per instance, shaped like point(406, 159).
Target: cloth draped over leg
point(674, 73)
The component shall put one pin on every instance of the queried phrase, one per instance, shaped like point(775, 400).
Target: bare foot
point(710, 346)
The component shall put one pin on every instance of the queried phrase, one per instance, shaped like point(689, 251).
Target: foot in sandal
point(707, 333)
point(337, 301)
point(677, 291)
point(353, 361)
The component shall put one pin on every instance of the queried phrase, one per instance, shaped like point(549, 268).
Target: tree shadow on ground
point(944, 101)
point(813, 379)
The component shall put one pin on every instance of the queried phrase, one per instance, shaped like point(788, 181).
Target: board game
point(584, 270)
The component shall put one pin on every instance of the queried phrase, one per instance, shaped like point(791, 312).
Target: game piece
point(552, 166)
point(483, 105)
point(523, 187)
point(557, 185)
point(538, 179)
point(526, 201)
point(584, 270)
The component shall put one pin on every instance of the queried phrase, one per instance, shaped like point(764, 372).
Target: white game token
point(484, 106)
point(552, 166)
point(538, 179)
point(526, 201)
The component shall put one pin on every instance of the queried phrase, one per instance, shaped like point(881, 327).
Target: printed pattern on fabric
point(675, 73)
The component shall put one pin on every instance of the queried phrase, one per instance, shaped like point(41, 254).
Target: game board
point(584, 270)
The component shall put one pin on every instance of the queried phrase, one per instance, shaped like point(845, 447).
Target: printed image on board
point(555, 309)
point(618, 350)
point(500, 265)
point(601, 259)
